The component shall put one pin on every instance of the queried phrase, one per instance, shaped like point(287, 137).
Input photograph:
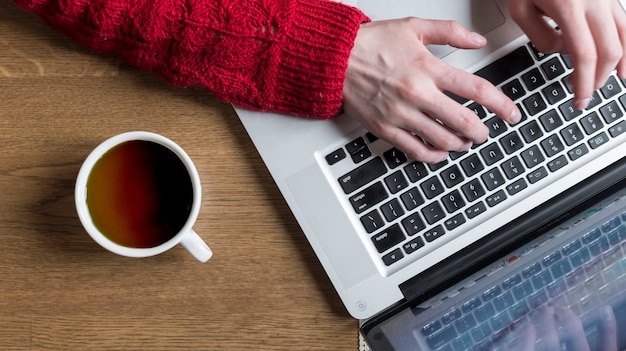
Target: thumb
point(447, 32)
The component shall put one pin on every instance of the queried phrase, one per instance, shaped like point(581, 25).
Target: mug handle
point(197, 247)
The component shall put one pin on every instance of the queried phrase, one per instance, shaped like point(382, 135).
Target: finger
point(412, 146)
point(481, 91)
point(619, 16)
point(608, 330)
point(579, 44)
point(458, 118)
point(531, 20)
point(547, 336)
point(432, 131)
point(447, 32)
point(571, 330)
point(608, 45)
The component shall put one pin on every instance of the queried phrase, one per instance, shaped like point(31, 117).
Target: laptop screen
point(562, 283)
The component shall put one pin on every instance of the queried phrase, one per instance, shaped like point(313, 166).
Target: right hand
point(394, 87)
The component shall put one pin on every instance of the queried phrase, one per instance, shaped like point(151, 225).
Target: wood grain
point(263, 289)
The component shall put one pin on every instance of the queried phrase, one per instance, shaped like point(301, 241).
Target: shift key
point(362, 175)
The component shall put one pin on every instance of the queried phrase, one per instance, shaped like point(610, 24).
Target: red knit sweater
point(285, 56)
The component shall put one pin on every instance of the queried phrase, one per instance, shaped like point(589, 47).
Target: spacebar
point(506, 66)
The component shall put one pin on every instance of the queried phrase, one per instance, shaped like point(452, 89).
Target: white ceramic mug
point(185, 236)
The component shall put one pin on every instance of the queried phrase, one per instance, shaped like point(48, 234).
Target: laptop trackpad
point(480, 16)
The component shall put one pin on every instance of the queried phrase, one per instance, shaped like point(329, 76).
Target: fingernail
point(443, 158)
point(477, 38)
point(516, 115)
point(581, 104)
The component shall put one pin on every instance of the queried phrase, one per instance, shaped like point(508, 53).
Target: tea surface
point(139, 194)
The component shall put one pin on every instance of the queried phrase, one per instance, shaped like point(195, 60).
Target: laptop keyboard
point(583, 274)
point(404, 207)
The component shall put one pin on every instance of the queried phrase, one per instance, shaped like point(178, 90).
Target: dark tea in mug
point(139, 194)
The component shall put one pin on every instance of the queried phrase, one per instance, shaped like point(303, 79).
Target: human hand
point(592, 32)
point(394, 87)
point(550, 327)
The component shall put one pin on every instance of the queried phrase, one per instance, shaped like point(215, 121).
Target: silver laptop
point(383, 226)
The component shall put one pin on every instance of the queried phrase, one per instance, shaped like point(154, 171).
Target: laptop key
point(392, 210)
point(473, 190)
point(492, 179)
point(532, 156)
point(388, 238)
point(416, 171)
point(475, 210)
point(550, 120)
point(484, 312)
point(534, 104)
point(431, 328)
point(611, 112)
point(598, 140)
point(511, 143)
point(514, 89)
point(552, 145)
point(413, 224)
point(412, 199)
point(557, 163)
point(434, 233)
point(358, 150)
point(478, 110)
point(577, 152)
point(433, 212)
point(554, 93)
point(568, 110)
point(591, 123)
point(369, 197)
point(413, 245)
point(594, 101)
point(393, 257)
point(617, 129)
point(335, 156)
point(452, 176)
point(553, 68)
point(394, 158)
point(362, 175)
point(504, 302)
point(572, 134)
point(465, 323)
point(453, 201)
point(454, 222)
point(496, 127)
point(396, 182)
point(533, 79)
point(610, 88)
point(432, 187)
point(516, 187)
point(444, 336)
point(531, 131)
point(372, 221)
point(510, 282)
point(472, 165)
point(496, 198)
point(451, 316)
point(506, 67)
point(513, 167)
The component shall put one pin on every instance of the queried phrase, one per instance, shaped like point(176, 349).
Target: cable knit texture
point(287, 56)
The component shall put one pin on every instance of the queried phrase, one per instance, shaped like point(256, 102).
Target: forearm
point(285, 56)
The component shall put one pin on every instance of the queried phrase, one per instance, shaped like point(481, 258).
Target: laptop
point(390, 231)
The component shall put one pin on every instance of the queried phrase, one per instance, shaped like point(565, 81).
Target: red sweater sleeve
point(286, 56)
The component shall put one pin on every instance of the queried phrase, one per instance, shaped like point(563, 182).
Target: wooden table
point(59, 290)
